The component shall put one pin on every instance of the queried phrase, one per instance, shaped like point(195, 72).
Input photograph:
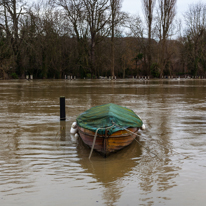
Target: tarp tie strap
point(95, 136)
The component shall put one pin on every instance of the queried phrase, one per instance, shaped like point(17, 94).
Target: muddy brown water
point(42, 164)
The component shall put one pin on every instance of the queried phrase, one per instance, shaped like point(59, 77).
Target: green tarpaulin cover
point(104, 115)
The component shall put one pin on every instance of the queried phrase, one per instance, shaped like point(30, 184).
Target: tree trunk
point(112, 38)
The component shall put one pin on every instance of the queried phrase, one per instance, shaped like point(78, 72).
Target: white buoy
point(143, 127)
point(74, 125)
point(73, 129)
point(76, 135)
point(73, 138)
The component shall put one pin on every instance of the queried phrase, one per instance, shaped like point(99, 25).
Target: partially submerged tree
point(195, 38)
point(97, 17)
point(77, 37)
point(13, 11)
point(148, 8)
point(115, 20)
point(166, 12)
point(75, 14)
point(139, 44)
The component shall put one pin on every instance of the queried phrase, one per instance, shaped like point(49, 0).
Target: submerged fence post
point(62, 108)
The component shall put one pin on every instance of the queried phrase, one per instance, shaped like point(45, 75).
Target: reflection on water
point(41, 163)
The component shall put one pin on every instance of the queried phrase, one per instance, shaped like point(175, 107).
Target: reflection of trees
point(157, 173)
point(107, 170)
point(153, 173)
point(95, 92)
point(14, 170)
point(112, 193)
point(110, 171)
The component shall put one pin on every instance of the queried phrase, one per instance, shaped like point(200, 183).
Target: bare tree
point(139, 43)
point(135, 25)
point(115, 19)
point(195, 19)
point(164, 27)
point(97, 19)
point(89, 19)
point(195, 37)
point(148, 8)
point(75, 13)
point(13, 11)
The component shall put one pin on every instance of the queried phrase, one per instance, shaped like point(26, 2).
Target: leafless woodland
point(92, 38)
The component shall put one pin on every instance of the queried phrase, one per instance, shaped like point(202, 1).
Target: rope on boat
point(136, 139)
point(94, 140)
point(147, 148)
point(114, 124)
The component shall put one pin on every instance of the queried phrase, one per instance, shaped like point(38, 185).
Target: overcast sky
point(135, 6)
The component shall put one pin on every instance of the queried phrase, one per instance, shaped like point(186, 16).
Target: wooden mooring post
point(62, 109)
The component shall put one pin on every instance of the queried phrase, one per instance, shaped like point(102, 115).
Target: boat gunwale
point(112, 136)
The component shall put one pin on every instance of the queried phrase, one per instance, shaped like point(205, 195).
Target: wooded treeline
point(92, 38)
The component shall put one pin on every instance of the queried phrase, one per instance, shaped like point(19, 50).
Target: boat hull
point(107, 144)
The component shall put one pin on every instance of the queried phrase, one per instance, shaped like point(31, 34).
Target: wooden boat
point(108, 128)
point(106, 144)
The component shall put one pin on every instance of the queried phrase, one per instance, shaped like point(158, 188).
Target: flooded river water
point(41, 164)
